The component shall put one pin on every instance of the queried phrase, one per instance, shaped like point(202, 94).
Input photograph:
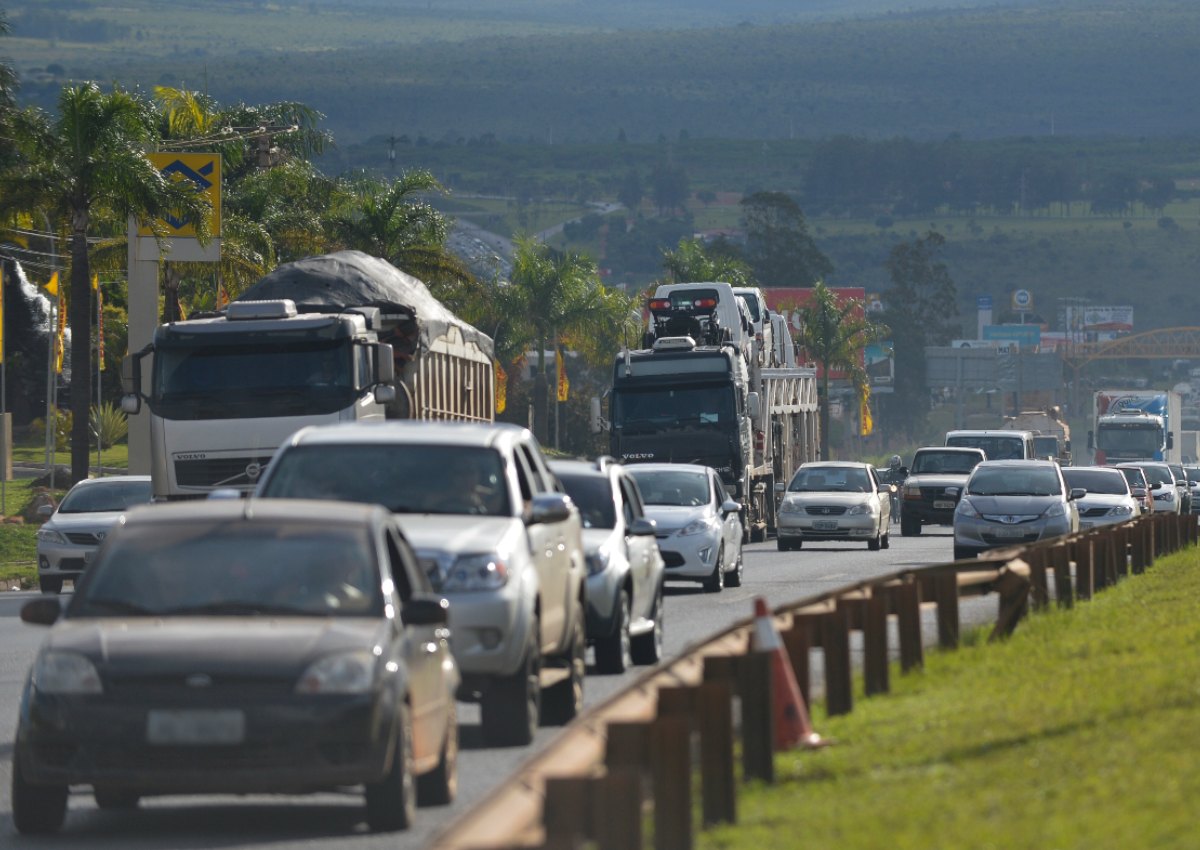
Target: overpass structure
point(1159, 344)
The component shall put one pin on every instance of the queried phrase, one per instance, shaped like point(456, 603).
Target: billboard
point(880, 361)
point(790, 300)
point(1027, 335)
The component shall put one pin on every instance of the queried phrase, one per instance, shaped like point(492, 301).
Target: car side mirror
point(41, 612)
point(426, 611)
point(729, 506)
point(549, 507)
point(643, 527)
point(1076, 493)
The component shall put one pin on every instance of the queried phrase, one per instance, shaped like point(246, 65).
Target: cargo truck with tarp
point(336, 338)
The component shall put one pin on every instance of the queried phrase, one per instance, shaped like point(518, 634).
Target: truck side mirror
point(753, 406)
point(385, 364)
point(131, 381)
point(596, 418)
point(1170, 440)
point(131, 404)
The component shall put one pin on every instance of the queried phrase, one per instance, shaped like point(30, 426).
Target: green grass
point(1082, 731)
point(116, 456)
point(18, 543)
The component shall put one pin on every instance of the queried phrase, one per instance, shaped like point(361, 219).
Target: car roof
point(411, 432)
point(664, 467)
point(315, 511)
point(988, 432)
point(815, 464)
point(972, 450)
point(1018, 464)
point(578, 468)
point(112, 479)
point(1067, 469)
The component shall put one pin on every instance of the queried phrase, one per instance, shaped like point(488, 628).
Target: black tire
point(733, 578)
point(783, 545)
point(715, 583)
point(391, 802)
point(53, 586)
point(961, 553)
point(874, 543)
point(886, 541)
point(648, 648)
point(563, 701)
point(511, 705)
point(37, 809)
point(909, 528)
point(116, 799)
point(614, 654)
point(439, 787)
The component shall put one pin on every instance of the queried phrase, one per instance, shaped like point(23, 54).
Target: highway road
point(336, 821)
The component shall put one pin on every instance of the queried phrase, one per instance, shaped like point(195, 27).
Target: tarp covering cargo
point(333, 282)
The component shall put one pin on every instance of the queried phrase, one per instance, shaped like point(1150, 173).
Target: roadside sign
point(983, 302)
point(1022, 301)
point(204, 171)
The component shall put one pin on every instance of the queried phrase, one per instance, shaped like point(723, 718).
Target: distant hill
point(1075, 67)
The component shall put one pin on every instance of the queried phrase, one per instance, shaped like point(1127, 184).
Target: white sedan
point(835, 500)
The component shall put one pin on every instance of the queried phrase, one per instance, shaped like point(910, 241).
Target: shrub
point(109, 422)
point(62, 429)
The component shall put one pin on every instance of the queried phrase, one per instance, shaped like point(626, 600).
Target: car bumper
point(489, 632)
point(290, 745)
point(689, 557)
point(980, 534)
point(804, 527)
point(914, 510)
point(63, 560)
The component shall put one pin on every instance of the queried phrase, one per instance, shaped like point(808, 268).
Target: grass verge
point(18, 543)
point(1081, 731)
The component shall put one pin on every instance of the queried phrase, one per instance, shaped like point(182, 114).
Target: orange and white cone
point(793, 728)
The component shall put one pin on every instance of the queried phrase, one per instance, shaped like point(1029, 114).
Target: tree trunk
point(79, 314)
point(823, 408)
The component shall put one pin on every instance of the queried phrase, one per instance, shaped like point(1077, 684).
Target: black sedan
point(242, 647)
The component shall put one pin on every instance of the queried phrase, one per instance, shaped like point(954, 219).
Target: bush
point(109, 422)
point(62, 429)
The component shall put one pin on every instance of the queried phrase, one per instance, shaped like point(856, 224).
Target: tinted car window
point(219, 568)
point(949, 463)
point(114, 496)
point(1158, 474)
point(824, 479)
point(1010, 481)
point(404, 478)
point(668, 487)
point(1097, 481)
point(593, 496)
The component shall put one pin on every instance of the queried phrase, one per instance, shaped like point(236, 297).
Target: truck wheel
point(909, 527)
point(36, 809)
point(614, 653)
point(440, 785)
point(563, 701)
point(511, 705)
point(715, 583)
point(648, 648)
point(391, 802)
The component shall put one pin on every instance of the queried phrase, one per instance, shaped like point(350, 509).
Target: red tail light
point(660, 304)
point(705, 303)
point(1100, 457)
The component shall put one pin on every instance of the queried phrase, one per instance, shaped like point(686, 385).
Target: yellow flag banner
point(501, 388)
point(60, 336)
point(52, 284)
point(222, 297)
point(95, 283)
point(868, 422)
point(100, 329)
point(564, 386)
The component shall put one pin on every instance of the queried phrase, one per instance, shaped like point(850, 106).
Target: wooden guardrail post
point(1064, 591)
point(1151, 541)
point(1121, 545)
point(875, 642)
point(1101, 553)
point(835, 641)
point(617, 810)
point(799, 641)
point(1037, 557)
point(1013, 589)
point(945, 589)
point(671, 764)
point(751, 676)
point(1137, 548)
point(1084, 563)
point(566, 812)
point(906, 603)
point(718, 791)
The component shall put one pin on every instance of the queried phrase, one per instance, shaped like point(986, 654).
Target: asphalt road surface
point(336, 821)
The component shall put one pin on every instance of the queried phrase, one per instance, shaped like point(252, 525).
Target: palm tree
point(834, 334)
point(91, 158)
point(390, 220)
point(691, 263)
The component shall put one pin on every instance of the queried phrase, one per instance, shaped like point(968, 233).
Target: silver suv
point(498, 536)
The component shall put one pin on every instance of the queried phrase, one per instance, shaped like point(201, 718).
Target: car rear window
point(593, 496)
point(949, 463)
point(1108, 482)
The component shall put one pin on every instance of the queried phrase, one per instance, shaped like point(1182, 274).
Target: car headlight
point(791, 506)
point(49, 535)
point(1120, 510)
point(486, 571)
point(697, 526)
point(965, 508)
point(911, 491)
point(1057, 509)
point(56, 672)
point(343, 673)
point(597, 562)
point(861, 508)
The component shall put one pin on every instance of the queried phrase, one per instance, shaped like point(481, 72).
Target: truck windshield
point(1045, 446)
point(403, 477)
point(653, 410)
point(1138, 440)
point(215, 380)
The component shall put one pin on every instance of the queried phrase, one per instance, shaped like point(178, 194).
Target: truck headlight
point(342, 673)
point(49, 535)
point(57, 672)
point(486, 571)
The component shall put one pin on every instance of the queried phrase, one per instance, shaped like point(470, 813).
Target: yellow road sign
point(204, 171)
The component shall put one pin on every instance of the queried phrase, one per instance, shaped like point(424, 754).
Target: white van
point(733, 318)
point(996, 444)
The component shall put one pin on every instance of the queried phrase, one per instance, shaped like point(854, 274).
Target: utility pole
point(392, 154)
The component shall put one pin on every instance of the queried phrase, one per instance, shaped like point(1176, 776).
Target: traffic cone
point(793, 728)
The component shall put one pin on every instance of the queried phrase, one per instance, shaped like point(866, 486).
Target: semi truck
point(1051, 435)
point(679, 401)
point(1135, 425)
point(336, 338)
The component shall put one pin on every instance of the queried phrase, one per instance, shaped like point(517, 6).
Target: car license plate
point(1084, 525)
point(943, 504)
point(824, 524)
point(195, 726)
point(1010, 532)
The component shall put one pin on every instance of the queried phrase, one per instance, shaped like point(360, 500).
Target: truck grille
point(220, 472)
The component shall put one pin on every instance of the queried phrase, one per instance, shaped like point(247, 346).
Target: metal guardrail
point(592, 784)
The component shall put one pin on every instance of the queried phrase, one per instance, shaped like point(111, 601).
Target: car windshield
point(1134, 476)
point(1157, 474)
point(1011, 481)
point(996, 447)
point(403, 477)
point(949, 463)
point(671, 487)
point(235, 568)
point(593, 495)
point(1106, 481)
point(111, 495)
point(826, 479)
point(1193, 473)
